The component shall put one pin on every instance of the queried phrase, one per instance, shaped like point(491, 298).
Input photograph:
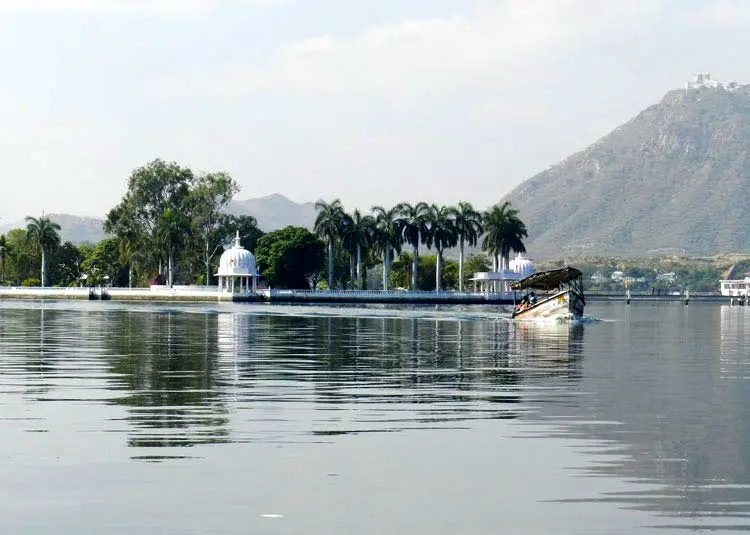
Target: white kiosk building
point(488, 282)
point(237, 272)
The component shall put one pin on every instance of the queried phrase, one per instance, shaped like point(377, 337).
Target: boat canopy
point(549, 280)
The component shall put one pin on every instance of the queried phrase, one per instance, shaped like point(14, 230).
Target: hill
point(272, 212)
point(75, 229)
point(674, 178)
point(275, 211)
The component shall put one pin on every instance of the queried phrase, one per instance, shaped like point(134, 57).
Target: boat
point(560, 295)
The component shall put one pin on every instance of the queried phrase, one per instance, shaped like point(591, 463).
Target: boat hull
point(562, 306)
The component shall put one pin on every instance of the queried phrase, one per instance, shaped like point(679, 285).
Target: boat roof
point(548, 280)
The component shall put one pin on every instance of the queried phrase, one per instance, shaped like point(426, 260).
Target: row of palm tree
point(442, 227)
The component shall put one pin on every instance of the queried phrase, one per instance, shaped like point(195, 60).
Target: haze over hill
point(674, 178)
point(272, 212)
point(677, 176)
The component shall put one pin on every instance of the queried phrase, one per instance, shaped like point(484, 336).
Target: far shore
point(211, 294)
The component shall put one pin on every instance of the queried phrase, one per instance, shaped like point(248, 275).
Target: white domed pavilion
point(522, 265)
point(237, 271)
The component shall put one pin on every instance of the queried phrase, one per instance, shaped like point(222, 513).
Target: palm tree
point(44, 233)
point(504, 233)
point(388, 236)
point(413, 220)
point(442, 235)
point(3, 255)
point(468, 227)
point(329, 225)
point(358, 235)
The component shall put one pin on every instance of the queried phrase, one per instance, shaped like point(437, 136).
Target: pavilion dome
point(522, 265)
point(237, 261)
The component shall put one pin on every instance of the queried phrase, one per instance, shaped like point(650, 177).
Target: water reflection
point(666, 409)
point(656, 398)
point(735, 331)
point(181, 376)
point(164, 366)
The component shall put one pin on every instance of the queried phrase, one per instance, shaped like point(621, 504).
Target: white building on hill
point(703, 80)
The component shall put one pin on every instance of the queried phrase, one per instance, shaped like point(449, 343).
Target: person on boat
point(532, 299)
point(524, 304)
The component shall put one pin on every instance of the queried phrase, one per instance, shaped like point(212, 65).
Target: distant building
point(669, 278)
point(736, 288)
point(522, 265)
point(703, 80)
point(500, 281)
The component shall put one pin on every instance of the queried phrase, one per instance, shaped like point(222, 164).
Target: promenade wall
point(211, 294)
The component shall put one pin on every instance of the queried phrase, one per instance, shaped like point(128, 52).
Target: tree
point(3, 255)
point(43, 233)
point(247, 226)
point(413, 221)
point(104, 264)
point(329, 224)
point(442, 234)
point(290, 257)
point(388, 237)
point(401, 269)
point(477, 263)
point(156, 209)
point(468, 224)
point(504, 233)
point(358, 236)
point(135, 248)
point(211, 193)
point(65, 264)
point(170, 234)
point(22, 256)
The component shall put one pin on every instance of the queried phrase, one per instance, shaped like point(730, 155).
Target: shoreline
point(211, 294)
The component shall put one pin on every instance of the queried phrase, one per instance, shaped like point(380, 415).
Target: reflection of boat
point(562, 299)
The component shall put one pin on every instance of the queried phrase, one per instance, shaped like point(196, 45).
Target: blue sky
point(374, 102)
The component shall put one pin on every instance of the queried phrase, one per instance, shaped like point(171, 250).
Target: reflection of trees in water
point(399, 360)
point(166, 364)
point(39, 344)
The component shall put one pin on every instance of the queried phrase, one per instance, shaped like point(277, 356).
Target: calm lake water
point(238, 419)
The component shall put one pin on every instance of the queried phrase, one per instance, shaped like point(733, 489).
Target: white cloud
point(127, 6)
point(498, 41)
point(726, 13)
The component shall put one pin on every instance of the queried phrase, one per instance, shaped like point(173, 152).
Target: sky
point(369, 101)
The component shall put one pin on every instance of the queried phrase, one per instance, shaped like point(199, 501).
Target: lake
point(236, 419)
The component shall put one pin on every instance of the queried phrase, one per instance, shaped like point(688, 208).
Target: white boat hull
point(563, 306)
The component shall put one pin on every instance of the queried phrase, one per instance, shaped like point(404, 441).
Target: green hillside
point(676, 178)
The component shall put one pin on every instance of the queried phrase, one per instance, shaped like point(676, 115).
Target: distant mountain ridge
point(275, 211)
point(75, 229)
point(674, 178)
point(272, 212)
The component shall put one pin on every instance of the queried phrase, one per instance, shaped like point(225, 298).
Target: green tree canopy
point(504, 232)
point(103, 265)
point(210, 195)
point(171, 216)
point(290, 257)
point(65, 264)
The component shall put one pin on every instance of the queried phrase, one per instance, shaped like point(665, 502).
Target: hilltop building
point(703, 80)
